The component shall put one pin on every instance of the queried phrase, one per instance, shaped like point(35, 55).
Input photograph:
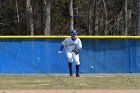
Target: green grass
point(59, 81)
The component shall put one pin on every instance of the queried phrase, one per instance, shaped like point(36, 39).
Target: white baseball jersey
point(69, 44)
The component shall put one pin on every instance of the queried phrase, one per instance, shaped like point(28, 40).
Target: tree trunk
point(18, 20)
point(92, 17)
point(30, 25)
point(134, 18)
point(138, 17)
point(125, 25)
point(77, 26)
point(47, 23)
point(45, 17)
point(70, 6)
point(106, 19)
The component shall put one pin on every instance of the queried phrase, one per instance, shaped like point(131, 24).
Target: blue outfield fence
point(39, 55)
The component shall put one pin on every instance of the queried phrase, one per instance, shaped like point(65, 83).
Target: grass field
point(64, 81)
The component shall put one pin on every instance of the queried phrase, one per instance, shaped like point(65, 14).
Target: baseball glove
point(76, 51)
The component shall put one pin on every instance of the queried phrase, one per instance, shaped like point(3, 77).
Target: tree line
point(58, 17)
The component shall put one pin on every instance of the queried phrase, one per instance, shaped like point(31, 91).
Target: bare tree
point(92, 17)
point(138, 17)
point(42, 16)
point(47, 23)
point(106, 18)
point(70, 6)
point(45, 17)
point(18, 20)
point(125, 25)
point(134, 18)
point(30, 25)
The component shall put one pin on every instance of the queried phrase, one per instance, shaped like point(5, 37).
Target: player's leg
point(77, 62)
point(70, 60)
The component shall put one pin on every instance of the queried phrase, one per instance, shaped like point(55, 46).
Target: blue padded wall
point(24, 56)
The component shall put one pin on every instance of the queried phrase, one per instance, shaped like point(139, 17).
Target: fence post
point(130, 55)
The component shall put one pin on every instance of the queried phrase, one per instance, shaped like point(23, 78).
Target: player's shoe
point(77, 75)
point(71, 74)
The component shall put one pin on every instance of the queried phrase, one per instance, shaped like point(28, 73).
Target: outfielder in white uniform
point(72, 46)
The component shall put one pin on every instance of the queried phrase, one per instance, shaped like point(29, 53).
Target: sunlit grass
point(64, 81)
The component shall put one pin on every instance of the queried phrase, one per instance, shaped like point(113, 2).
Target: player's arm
point(62, 47)
point(79, 44)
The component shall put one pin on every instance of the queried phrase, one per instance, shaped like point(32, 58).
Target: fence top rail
point(54, 36)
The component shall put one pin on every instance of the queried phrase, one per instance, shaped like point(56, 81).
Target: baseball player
point(72, 46)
